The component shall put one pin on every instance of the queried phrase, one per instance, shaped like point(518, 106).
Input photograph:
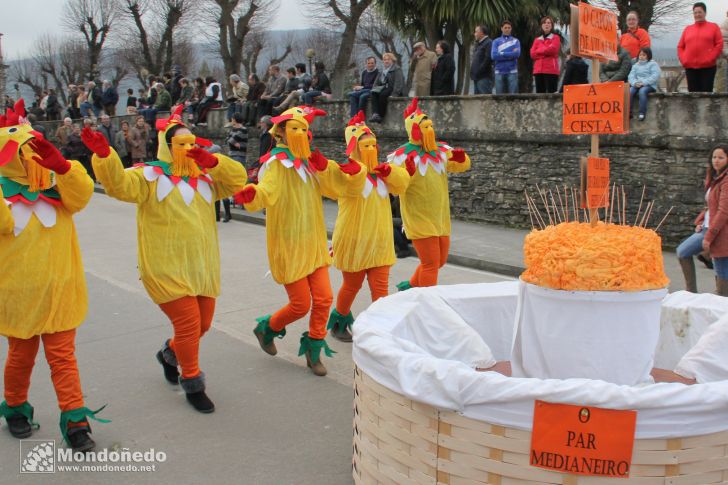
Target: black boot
point(19, 426)
point(168, 359)
point(194, 388)
point(79, 439)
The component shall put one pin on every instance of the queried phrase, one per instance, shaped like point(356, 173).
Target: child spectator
point(643, 79)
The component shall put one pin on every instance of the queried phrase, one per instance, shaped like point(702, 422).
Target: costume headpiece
point(15, 132)
point(302, 114)
point(355, 129)
point(164, 125)
point(413, 116)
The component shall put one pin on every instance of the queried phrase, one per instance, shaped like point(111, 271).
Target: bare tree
point(660, 14)
point(235, 20)
point(154, 38)
point(27, 72)
point(348, 13)
point(253, 47)
point(93, 19)
point(380, 36)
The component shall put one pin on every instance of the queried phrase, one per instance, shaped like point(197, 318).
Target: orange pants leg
point(322, 297)
point(444, 249)
point(60, 352)
point(207, 311)
point(18, 368)
point(428, 250)
point(188, 320)
point(348, 291)
point(378, 279)
point(299, 302)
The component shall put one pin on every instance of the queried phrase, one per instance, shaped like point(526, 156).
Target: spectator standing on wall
point(545, 54)
point(53, 107)
point(389, 83)
point(92, 103)
point(481, 69)
point(505, 53)
point(73, 111)
point(576, 71)
point(443, 77)
point(617, 70)
point(360, 95)
point(423, 62)
point(699, 48)
point(109, 98)
point(643, 79)
point(635, 37)
point(131, 102)
point(176, 86)
point(320, 84)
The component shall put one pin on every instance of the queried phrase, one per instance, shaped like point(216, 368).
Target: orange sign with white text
point(582, 440)
point(596, 109)
point(597, 33)
point(595, 180)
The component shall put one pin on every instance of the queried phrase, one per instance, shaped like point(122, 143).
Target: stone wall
point(515, 143)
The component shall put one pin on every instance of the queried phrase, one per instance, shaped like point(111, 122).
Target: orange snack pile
point(607, 257)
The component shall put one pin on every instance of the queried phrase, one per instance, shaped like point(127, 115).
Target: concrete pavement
point(275, 422)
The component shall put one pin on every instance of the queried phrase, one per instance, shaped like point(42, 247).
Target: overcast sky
point(22, 22)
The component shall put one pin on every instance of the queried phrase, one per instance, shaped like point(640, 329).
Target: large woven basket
point(400, 441)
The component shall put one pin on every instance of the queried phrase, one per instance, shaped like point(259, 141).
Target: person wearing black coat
point(481, 67)
point(443, 76)
point(576, 71)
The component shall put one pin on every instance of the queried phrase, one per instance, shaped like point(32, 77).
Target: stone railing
point(515, 143)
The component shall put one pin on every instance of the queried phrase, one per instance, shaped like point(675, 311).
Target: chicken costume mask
point(179, 257)
point(426, 202)
point(42, 288)
point(292, 180)
point(363, 237)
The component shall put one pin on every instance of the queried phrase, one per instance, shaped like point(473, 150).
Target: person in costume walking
point(426, 202)
point(363, 237)
point(43, 295)
point(291, 182)
point(179, 256)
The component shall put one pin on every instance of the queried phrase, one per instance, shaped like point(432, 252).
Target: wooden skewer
point(536, 212)
point(619, 207)
point(566, 198)
point(644, 215)
point(649, 214)
point(564, 218)
point(557, 214)
point(530, 213)
point(624, 206)
point(663, 219)
point(640, 207)
point(611, 205)
point(545, 203)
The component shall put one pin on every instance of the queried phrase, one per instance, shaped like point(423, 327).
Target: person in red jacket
point(699, 48)
point(716, 235)
point(545, 54)
point(634, 38)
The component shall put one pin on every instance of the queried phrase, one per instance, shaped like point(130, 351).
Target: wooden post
point(594, 213)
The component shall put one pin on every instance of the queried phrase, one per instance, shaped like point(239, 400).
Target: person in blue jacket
point(643, 80)
point(505, 53)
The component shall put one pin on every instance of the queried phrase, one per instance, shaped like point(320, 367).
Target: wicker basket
point(400, 441)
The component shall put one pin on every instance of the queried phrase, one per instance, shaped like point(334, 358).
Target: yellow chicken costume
point(291, 183)
point(363, 237)
point(426, 202)
point(179, 258)
point(42, 287)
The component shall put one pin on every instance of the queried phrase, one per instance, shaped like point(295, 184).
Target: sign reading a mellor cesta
point(42, 456)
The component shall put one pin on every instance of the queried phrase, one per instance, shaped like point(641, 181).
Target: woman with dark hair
point(212, 99)
point(643, 79)
point(712, 219)
point(319, 84)
point(443, 76)
point(545, 54)
point(699, 48)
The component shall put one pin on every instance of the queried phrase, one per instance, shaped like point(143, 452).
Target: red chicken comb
point(174, 117)
point(311, 113)
point(357, 119)
point(412, 108)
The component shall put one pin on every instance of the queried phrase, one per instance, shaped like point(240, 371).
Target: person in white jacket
point(643, 79)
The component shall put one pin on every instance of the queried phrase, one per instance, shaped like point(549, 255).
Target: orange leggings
point(378, 279)
point(60, 352)
point(432, 252)
point(191, 317)
point(315, 288)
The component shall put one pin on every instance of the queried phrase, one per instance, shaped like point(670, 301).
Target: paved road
point(275, 422)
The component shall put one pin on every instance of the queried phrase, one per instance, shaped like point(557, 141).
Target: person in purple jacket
point(505, 52)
